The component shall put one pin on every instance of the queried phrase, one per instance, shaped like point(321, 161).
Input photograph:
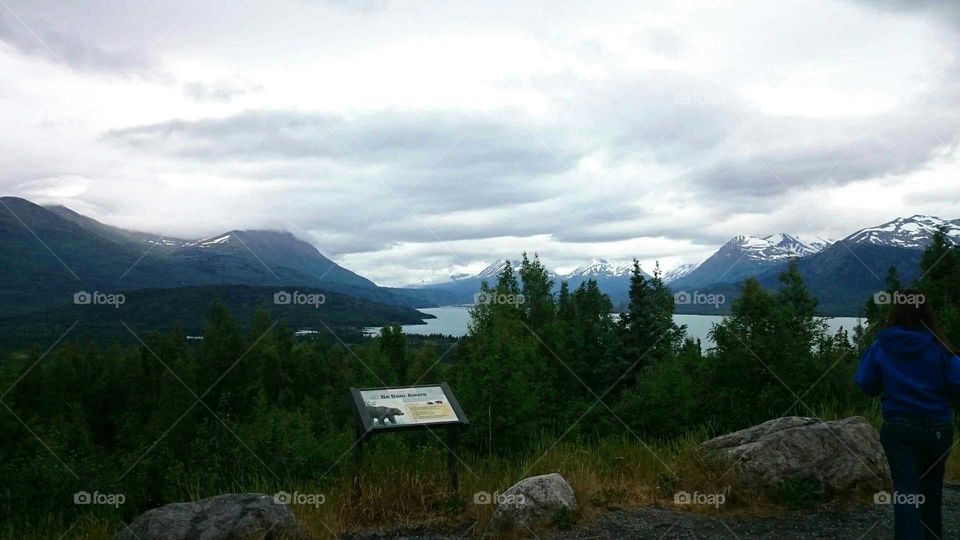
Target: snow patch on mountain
point(166, 242)
point(776, 247)
point(496, 268)
point(489, 273)
point(600, 268)
point(797, 245)
point(678, 272)
point(594, 268)
point(914, 232)
point(210, 241)
point(222, 240)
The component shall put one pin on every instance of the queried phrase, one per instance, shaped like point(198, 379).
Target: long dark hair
point(911, 309)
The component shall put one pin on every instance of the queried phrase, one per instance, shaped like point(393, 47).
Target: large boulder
point(842, 455)
point(225, 517)
point(537, 500)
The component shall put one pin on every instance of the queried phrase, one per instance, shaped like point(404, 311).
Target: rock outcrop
point(538, 500)
point(841, 455)
point(225, 517)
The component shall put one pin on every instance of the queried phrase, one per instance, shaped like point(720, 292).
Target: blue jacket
point(916, 375)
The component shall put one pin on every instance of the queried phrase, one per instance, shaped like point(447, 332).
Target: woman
point(917, 372)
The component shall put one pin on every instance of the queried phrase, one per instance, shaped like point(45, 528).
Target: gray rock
point(224, 517)
point(537, 500)
point(842, 455)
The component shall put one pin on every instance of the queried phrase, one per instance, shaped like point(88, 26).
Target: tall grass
point(404, 484)
point(410, 489)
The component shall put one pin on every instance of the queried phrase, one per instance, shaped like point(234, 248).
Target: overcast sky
point(411, 140)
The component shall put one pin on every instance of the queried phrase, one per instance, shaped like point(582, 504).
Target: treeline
point(251, 406)
point(188, 308)
point(559, 362)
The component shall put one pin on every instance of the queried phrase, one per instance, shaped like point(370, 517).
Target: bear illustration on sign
point(384, 414)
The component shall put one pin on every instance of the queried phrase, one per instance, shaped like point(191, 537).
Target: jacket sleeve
point(951, 373)
point(868, 376)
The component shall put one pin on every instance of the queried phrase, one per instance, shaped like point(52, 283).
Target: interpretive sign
point(383, 410)
point(406, 407)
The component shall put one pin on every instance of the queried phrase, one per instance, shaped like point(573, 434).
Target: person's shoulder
point(873, 349)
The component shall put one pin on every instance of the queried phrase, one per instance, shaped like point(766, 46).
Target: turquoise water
point(453, 320)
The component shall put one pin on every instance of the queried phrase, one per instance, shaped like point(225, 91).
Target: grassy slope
point(407, 488)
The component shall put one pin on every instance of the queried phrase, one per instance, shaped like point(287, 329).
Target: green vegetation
point(550, 381)
point(187, 308)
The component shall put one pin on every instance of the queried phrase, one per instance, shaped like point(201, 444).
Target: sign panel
point(378, 408)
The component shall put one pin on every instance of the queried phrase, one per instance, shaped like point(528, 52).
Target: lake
point(453, 320)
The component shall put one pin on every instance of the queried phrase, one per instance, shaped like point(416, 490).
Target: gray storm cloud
point(44, 38)
point(609, 131)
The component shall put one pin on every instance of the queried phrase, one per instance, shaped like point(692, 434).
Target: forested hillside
point(187, 308)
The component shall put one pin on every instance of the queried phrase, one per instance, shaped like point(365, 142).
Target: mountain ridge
point(78, 252)
point(912, 232)
point(75, 253)
point(745, 255)
point(845, 273)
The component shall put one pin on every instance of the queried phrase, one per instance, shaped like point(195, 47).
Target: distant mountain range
point(841, 274)
point(612, 279)
point(462, 288)
point(738, 258)
point(49, 253)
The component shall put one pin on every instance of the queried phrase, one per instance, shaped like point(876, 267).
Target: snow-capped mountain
point(600, 268)
point(489, 274)
point(796, 245)
point(462, 287)
point(433, 282)
point(914, 232)
point(612, 279)
point(745, 256)
point(845, 273)
point(776, 247)
point(678, 272)
point(494, 269)
point(839, 274)
point(754, 248)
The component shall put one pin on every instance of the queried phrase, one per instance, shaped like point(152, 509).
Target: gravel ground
point(869, 522)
